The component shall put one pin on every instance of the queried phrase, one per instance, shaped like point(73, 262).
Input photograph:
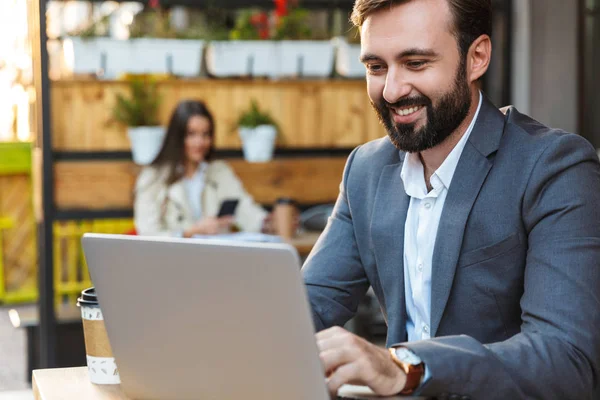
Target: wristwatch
point(412, 366)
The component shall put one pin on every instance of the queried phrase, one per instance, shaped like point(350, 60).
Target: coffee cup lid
point(88, 297)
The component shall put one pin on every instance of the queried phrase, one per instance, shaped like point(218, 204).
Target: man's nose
point(396, 86)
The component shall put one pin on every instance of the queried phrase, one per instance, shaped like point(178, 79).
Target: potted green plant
point(139, 112)
point(158, 47)
point(154, 46)
point(90, 50)
point(258, 131)
point(301, 52)
point(249, 52)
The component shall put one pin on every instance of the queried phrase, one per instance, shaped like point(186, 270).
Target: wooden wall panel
point(81, 117)
point(308, 181)
point(94, 185)
point(19, 242)
point(311, 114)
point(100, 185)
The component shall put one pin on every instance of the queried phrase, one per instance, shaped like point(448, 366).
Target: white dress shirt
point(194, 187)
point(420, 231)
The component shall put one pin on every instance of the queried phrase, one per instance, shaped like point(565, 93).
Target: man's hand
point(348, 358)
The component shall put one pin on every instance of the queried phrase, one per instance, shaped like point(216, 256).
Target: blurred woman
point(181, 192)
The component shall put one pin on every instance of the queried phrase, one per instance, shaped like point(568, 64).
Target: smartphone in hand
point(228, 207)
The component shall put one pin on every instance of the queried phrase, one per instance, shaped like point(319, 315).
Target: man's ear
point(478, 58)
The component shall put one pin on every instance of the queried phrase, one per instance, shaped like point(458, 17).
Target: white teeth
point(407, 111)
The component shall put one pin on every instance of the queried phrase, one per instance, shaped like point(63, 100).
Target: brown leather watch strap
point(414, 373)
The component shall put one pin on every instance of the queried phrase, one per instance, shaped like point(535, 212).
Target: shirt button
point(425, 329)
point(420, 266)
point(427, 206)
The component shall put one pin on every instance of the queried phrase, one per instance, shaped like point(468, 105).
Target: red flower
point(261, 22)
point(281, 8)
point(257, 19)
point(154, 3)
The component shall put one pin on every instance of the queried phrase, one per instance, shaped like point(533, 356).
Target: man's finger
point(334, 358)
point(345, 374)
point(331, 332)
point(338, 341)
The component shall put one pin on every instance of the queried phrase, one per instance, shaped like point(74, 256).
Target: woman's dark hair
point(173, 150)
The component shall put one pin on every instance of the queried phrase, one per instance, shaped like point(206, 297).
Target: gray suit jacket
point(515, 298)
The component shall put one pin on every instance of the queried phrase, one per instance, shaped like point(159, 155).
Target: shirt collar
point(200, 171)
point(412, 173)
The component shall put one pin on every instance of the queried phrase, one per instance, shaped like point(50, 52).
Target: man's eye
point(416, 64)
point(375, 68)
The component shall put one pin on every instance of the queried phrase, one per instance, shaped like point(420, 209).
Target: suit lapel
point(387, 232)
point(471, 172)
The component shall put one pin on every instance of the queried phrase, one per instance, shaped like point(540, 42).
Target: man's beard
point(442, 119)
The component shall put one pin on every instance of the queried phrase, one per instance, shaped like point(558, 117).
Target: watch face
point(407, 356)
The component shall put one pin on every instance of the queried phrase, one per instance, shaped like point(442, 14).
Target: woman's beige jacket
point(165, 211)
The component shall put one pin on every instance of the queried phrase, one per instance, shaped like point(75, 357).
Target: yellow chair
point(71, 275)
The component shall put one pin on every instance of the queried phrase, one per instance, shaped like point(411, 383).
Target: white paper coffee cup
point(102, 368)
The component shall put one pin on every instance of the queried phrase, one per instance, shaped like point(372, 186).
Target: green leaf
point(255, 117)
point(141, 107)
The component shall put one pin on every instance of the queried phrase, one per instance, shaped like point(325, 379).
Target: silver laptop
point(207, 319)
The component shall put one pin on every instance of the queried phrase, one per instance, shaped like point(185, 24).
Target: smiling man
point(477, 228)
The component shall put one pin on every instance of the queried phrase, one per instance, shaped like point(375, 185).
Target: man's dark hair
point(472, 18)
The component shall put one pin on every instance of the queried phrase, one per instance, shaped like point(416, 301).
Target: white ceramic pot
point(146, 55)
point(258, 143)
point(176, 56)
point(347, 59)
point(107, 56)
point(146, 142)
point(242, 58)
point(305, 58)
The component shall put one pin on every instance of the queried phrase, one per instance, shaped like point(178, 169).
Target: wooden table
point(74, 383)
point(71, 383)
point(304, 242)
